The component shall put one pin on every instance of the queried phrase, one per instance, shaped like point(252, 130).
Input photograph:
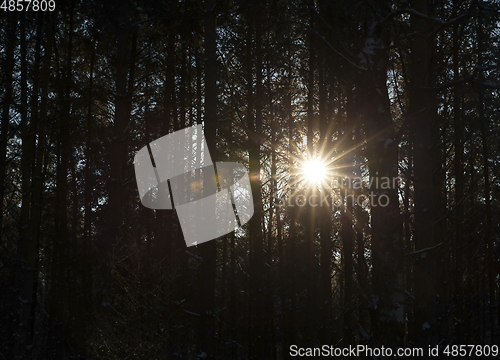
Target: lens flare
point(314, 171)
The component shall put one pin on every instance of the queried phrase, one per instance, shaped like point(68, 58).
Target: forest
point(370, 133)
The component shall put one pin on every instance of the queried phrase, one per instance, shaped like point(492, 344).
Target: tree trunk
point(422, 120)
point(28, 247)
point(489, 249)
point(60, 263)
point(459, 186)
point(87, 196)
point(208, 250)
point(387, 256)
point(119, 141)
point(6, 105)
point(310, 189)
point(324, 216)
point(257, 262)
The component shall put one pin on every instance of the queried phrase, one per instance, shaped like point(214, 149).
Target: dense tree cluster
point(398, 100)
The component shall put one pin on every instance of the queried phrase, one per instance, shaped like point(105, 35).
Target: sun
point(314, 171)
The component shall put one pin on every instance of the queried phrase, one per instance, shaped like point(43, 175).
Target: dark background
point(375, 89)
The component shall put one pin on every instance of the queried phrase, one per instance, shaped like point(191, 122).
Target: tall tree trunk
point(422, 120)
point(347, 234)
point(444, 279)
point(273, 214)
point(87, 197)
point(38, 171)
point(408, 239)
point(165, 222)
point(257, 261)
point(347, 249)
point(458, 164)
point(59, 266)
point(290, 251)
point(232, 295)
point(387, 255)
point(208, 250)
point(310, 190)
point(6, 105)
point(119, 141)
point(324, 216)
point(28, 248)
point(490, 251)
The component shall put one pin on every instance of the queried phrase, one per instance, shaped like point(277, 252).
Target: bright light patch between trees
point(314, 171)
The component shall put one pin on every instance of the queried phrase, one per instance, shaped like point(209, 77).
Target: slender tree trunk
point(459, 186)
point(347, 248)
point(6, 105)
point(310, 191)
point(248, 62)
point(408, 241)
point(232, 295)
point(444, 279)
point(87, 196)
point(269, 315)
point(422, 119)
point(28, 247)
point(119, 142)
point(257, 263)
point(38, 171)
point(324, 215)
point(59, 266)
point(347, 234)
point(290, 318)
point(490, 251)
point(208, 250)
